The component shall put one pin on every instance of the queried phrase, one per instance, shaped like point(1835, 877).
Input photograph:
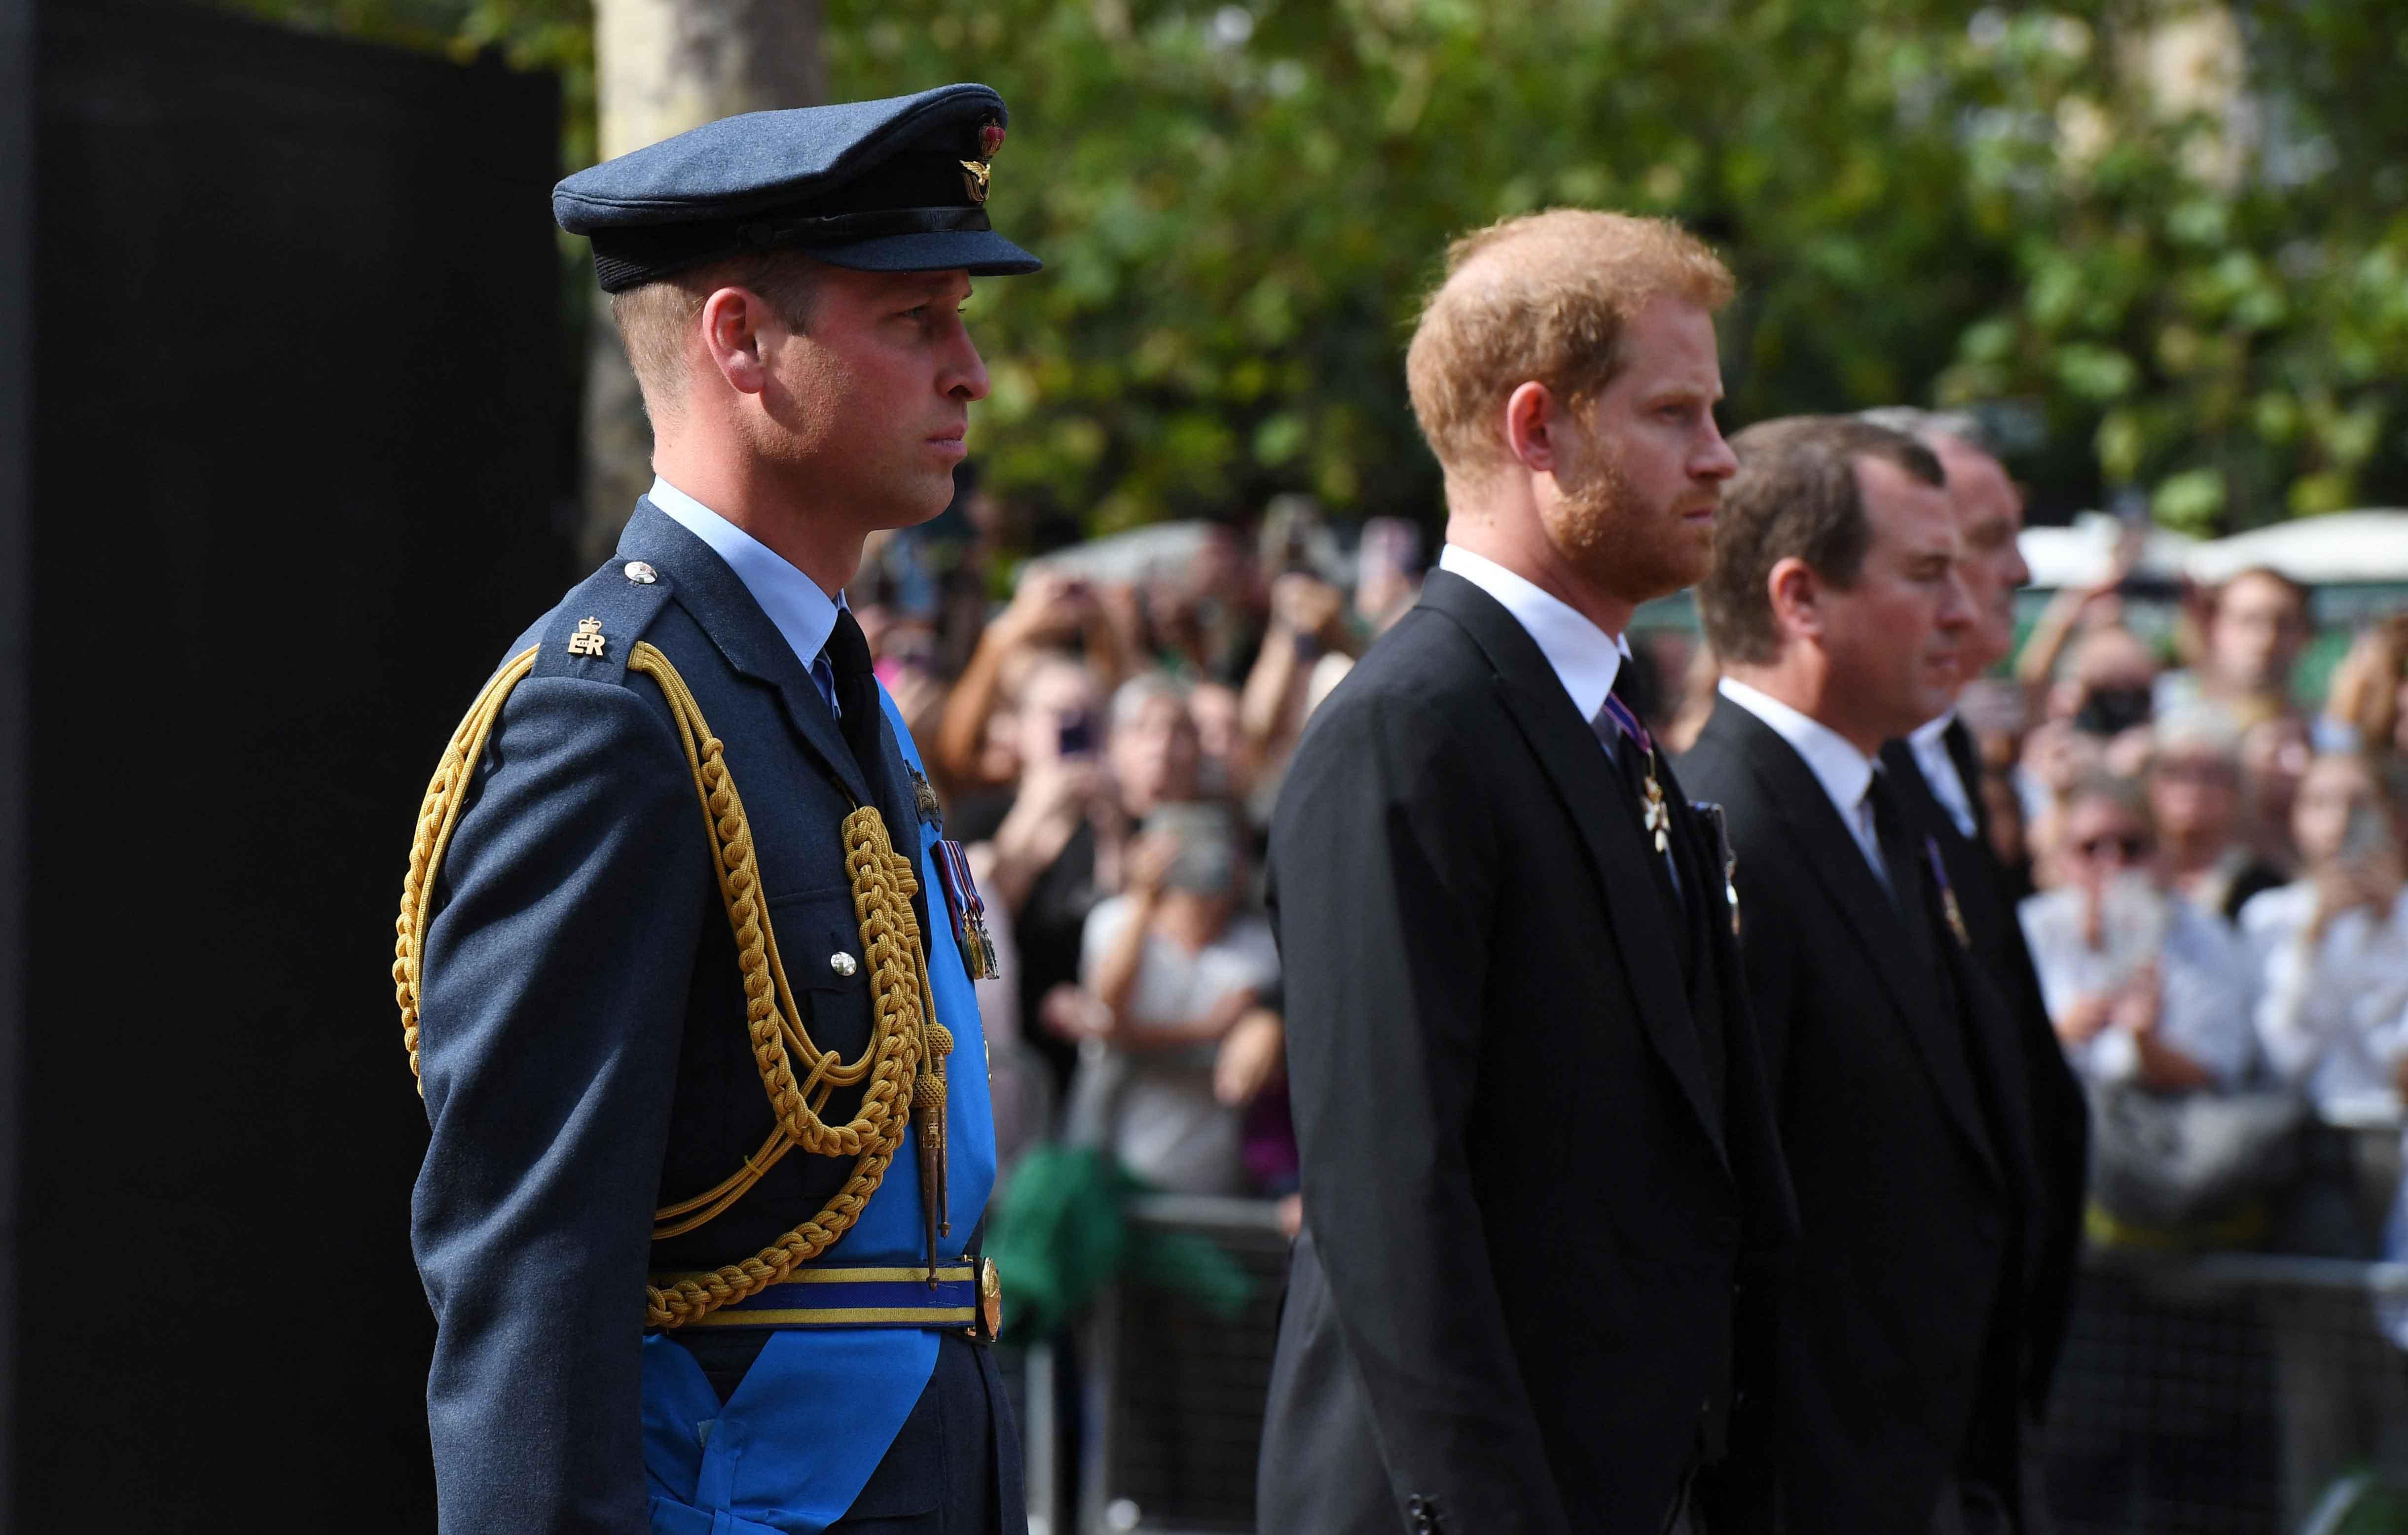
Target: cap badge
point(975, 173)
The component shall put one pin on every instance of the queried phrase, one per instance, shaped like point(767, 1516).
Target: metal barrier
point(2218, 1394)
point(2215, 1394)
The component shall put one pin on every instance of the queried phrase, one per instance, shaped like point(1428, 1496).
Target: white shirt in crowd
point(1930, 743)
point(1845, 774)
point(2332, 1016)
point(2205, 978)
point(1155, 1109)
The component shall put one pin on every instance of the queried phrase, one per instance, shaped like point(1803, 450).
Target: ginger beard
point(1603, 523)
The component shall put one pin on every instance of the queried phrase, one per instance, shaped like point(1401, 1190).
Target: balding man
point(1938, 771)
point(1537, 1153)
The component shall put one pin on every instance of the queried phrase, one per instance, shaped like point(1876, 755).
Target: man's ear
point(731, 334)
point(1531, 423)
point(1796, 593)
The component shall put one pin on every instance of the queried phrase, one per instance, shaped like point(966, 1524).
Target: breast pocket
point(819, 938)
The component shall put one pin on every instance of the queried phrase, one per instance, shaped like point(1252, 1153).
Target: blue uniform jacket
point(585, 1061)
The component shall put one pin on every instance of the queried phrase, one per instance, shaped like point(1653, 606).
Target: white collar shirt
point(1930, 743)
point(1584, 657)
point(1845, 774)
point(2332, 1013)
point(804, 615)
point(2206, 984)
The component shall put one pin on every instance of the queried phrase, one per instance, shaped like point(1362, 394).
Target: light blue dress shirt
point(803, 613)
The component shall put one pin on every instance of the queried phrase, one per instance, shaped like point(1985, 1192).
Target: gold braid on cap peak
point(904, 1062)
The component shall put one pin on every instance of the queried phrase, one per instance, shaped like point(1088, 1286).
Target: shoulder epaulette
point(594, 628)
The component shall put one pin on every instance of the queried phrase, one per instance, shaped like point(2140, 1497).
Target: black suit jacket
point(1525, 1215)
point(1901, 1321)
point(2051, 1100)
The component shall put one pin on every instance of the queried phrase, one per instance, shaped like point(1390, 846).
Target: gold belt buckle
point(989, 1326)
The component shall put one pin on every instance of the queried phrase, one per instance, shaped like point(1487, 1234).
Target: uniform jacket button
point(842, 964)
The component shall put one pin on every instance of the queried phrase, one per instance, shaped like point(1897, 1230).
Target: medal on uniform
point(1711, 814)
point(962, 901)
point(968, 911)
point(1948, 906)
point(924, 798)
point(1657, 815)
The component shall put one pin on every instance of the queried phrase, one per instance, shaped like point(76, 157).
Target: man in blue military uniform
point(685, 960)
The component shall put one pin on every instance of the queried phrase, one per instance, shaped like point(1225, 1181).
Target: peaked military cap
point(898, 185)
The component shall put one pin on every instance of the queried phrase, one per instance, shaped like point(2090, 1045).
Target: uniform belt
point(828, 1295)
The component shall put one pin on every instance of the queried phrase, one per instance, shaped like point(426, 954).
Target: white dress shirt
point(2333, 1014)
point(1585, 658)
point(1845, 774)
point(803, 614)
point(1930, 743)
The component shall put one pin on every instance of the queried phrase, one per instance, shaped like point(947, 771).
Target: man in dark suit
point(1938, 770)
point(1539, 1160)
point(1835, 605)
point(685, 951)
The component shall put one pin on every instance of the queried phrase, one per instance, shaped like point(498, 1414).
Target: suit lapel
point(1586, 783)
point(1791, 787)
point(710, 591)
point(1976, 887)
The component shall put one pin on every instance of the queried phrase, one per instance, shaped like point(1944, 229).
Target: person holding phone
point(2143, 985)
point(2333, 945)
point(1172, 965)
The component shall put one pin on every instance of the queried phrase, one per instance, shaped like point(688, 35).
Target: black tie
point(1635, 764)
point(1898, 851)
point(856, 700)
point(1889, 835)
point(1680, 881)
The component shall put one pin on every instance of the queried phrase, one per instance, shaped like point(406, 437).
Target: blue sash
point(792, 1448)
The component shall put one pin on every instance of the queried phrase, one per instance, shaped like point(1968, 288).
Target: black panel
point(298, 407)
point(16, 419)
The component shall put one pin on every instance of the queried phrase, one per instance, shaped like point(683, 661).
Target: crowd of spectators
point(2210, 861)
point(2217, 862)
point(1108, 729)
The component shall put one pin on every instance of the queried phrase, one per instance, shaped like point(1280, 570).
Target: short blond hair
point(656, 318)
point(1543, 297)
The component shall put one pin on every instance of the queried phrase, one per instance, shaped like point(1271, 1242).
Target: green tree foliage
point(1241, 208)
point(2207, 213)
point(2175, 234)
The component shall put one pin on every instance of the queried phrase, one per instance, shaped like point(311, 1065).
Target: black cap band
point(632, 256)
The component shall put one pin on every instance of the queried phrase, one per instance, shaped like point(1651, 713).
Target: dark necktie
point(1907, 886)
point(1677, 877)
point(856, 701)
point(1617, 724)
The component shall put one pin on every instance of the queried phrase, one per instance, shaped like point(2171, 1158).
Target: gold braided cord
point(903, 1063)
